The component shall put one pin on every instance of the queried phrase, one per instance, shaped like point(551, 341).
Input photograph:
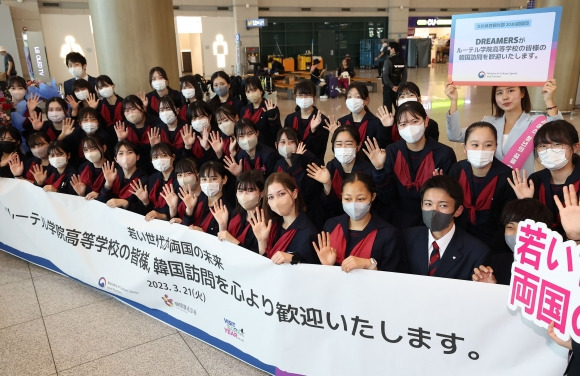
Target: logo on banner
point(231, 329)
point(102, 282)
point(167, 300)
point(481, 74)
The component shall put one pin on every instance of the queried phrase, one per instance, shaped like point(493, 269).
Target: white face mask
point(40, 152)
point(82, 95)
point(56, 116)
point(304, 103)
point(248, 143)
point(76, 72)
point(168, 117)
point(127, 162)
point(57, 162)
point(345, 155)
point(210, 189)
point(159, 84)
point(93, 156)
point(553, 159)
point(286, 151)
point(227, 127)
point(356, 210)
point(199, 124)
point(89, 127)
point(254, 96)
point(248, 201)
point(184, 181)
point(17, 94)
point(162, 164)
point(480, 158)
point(106, 92)
point(188, 93)
point(355, 105)
point(134, 118)
point(405, 100)
point(412, 133)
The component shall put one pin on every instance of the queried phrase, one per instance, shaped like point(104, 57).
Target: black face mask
point(7, 146)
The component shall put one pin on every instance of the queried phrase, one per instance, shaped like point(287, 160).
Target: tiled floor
point(50, 325)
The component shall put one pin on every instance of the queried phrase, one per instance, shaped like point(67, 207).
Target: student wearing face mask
point(221, 85)
point(408, 164)
point(140, 129)
point(56, 113)
point(499, 267)
point(307, 120)
point(254, 155)
point(162, 158)
point(83, 96)
point(556, 145)
point(9, 150)
point(284, 233)
point(171, 126)
point(359, 239)
point(198, 214)
point(90, 124)
point(187, 176)
point(17, 90)
point(191, 92)
point(346, 145)
point(264, 113)
point(90, 179)
point(196, 137)
point(38, 143)
point(77, 67)
point(249, 196)
point(294, 160)
point(440, 248)
point(125, 183)
point(110, 107)
point(56, 178)
point(160, 84)
point(484, 181)
point(368, 125)
point(226, 118)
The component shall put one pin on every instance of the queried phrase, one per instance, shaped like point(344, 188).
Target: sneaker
point(322, 97)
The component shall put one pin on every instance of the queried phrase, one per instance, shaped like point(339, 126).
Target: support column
point(245, 10)
point(133, 36)
point(398, 19)
point(567, 69)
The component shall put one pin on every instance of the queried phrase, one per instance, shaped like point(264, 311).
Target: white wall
point(56, 27)
point(212, 26)
point(8, 40)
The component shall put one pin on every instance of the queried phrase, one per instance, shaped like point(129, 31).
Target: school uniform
point(29, 164)
point(296, 239)
point(378, 240)
point(111, 113)
point(368, 128)
point(76, 139)
point(68, 84)
point(432, 130)
point(235, 102)
point(5, 171)
point(267, 122)
point(241, 229)
point(175, 139)
point(122, 189)
point(462, 254)
point(264, 159)
point(155, 184)
point(314, 141)
point(202, 216)
point(483, 198)
point(47, 128)
point(573, 368)
point(405, 171)
point(140, 137)
point(154, 98)
point(60, 181)
point(92, 177)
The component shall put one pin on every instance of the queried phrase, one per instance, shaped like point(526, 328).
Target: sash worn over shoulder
point(482, 202)
point(362, 249)
point(521, 150)
point(424, 172)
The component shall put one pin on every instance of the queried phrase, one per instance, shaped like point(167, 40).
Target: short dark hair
point(526, 208)
point(12, 131)
point(349, 129)
point(159, 70)
point(416, 110)
point(559, 131)
point(305, 87)
point(363, 178)
point(249, 179)
point(103, 80)
point(197, 108)
point(16, 80)
point(411, 87)
point(290, 133)
point(127, 144)
point(84, 111)
point(213, 166)
point(480, 124)
point(395, 46)
point(243, 124)
point(133, 101)
point(75, 57)
point(168, 101)
point(253, 82)
point(162, 147)
point(446, 183)
point(186, 165)
point(361, 89)
point(36, 138)
point(58, 100)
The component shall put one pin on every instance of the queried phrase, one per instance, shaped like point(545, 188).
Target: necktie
point(434, 259)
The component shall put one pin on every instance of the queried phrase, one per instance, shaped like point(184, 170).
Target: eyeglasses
point(558, 148)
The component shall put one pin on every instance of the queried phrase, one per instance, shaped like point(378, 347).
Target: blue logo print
point(481, 74)
point(102, 282)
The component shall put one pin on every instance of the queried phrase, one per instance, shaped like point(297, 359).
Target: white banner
point(303, 319)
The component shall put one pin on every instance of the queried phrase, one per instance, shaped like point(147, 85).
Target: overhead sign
point(38, 56)
point(429, 22)
point(257, 22)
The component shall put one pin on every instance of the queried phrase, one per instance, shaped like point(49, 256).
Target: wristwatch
point(373, 264)
point(295, 259)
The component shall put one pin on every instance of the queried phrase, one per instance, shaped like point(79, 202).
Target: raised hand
point(326, 253)
point(316, 121)
point(221, 215)
point(376, 155)
point(170, 197)
point(92, 100)
point(569, 214)
point(109, 173)
point(188, 136)
point(39, 174)
point(522, 187)
point(154, 135)
point(270, 105)
point(143, 98)
point(301, 149)
point(548, 91)
point(233, 167)
point(451, 91)
point(387, 118)
point(32, 102)
point(204, 139)
point(189, 198)
point(78, 185)
point(483, 274)
point(16, 165)
point(140, 191)
point(331, 126)
point(318, 173)
point(233, 146)
point(36, 120)
point(260, 228)
point(121, 131)
point(73, 103)
point(68, 127)
point(217, 143)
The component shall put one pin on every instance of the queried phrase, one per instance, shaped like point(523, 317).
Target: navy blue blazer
point(464, 253)
point(68, 85)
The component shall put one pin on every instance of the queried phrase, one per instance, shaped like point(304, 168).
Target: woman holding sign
point(511, 117)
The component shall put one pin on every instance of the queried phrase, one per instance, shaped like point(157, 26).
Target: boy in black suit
point(77, 66)
point(442, 249)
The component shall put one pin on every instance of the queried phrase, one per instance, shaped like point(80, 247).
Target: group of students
point(230, 168)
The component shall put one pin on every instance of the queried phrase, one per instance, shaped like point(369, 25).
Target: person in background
point(77, 67)
point(277, 67)
point(382, 56)
point(9, 67)
point(394, 74)
point(344, 73)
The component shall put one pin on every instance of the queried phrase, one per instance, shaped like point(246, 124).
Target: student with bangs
point(90, 178)
point(196, 137)
point(124, 181)
point(191, 91)
point(160, 84)
point(141, 129)
point(110, 107)
point(56, 178)
point(556, 146)
point(172, 127)
point(282, 228)
point(263, 113)
point(38, 143)
point(57, 115)
point(90, 124)
point(221, 84)
point(17, 90)
point(236, 228)
point(226, 118)
point(9, 150)
point(187, 175)
point(483, 179)
point(83, 95)
point(307, 120)
point(405, 165)
point(254, 155)
point(77, 67)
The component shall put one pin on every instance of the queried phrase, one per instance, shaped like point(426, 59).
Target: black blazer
point(464, 253)
point(68, 85)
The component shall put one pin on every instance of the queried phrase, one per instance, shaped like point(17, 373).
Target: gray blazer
point(457, 134)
